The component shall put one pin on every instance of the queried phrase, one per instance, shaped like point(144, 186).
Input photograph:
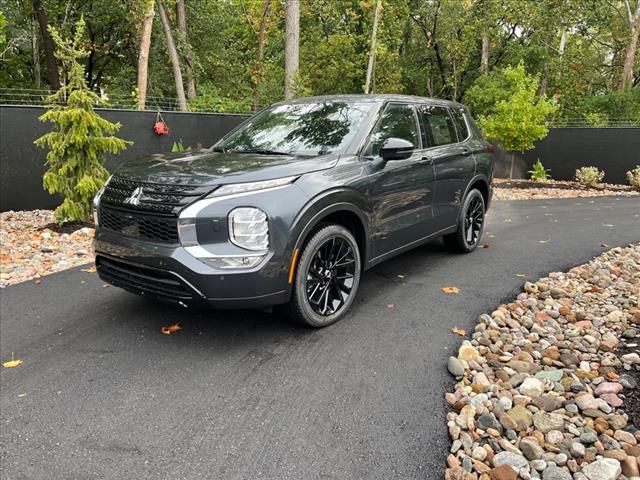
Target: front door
point(401, 190)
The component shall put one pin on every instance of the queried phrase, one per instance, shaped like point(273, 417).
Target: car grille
point(143, 280)
point(138, 225)
point(165, 199)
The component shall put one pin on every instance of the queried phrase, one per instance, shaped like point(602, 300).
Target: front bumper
point(171, 274)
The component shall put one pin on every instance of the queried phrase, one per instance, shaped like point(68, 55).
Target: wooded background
point(230, 55)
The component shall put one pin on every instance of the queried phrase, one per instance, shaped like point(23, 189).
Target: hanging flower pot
point(160, 127)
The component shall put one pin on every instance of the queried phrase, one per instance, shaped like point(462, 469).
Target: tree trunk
point(143, 57)
point(484, 58)
point(630, 54)
point(35, 52)
point(181, 20)
point(262, 33)
point(513, 161)
point(53, 77)
point(291, 47)
point(173, 57)
point(372, 48)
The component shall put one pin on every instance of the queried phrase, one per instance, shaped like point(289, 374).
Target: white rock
point(604, 469)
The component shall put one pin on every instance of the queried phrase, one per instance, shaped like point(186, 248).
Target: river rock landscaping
point(505, 189)
point(33, 245)
point(548, 384)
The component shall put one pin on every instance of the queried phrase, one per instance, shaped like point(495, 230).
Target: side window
point(398, 121)
point(438, 125)
point(458, 116)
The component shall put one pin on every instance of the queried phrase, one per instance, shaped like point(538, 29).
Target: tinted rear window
point(438, 124)
point(458, 116)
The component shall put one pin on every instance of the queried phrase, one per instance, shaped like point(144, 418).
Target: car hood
point(216, 168)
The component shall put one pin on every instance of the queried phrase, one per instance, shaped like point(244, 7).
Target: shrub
point(589, 176)
point(539, 173)
point(519, 119)
point(80, 138)
point(634, 178)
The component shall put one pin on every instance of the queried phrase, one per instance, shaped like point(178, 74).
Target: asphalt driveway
point(246, 395)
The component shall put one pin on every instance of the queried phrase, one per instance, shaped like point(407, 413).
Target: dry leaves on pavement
point(171, 328)
point(450, 290)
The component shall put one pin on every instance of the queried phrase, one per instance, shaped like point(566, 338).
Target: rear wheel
point(327, 277)
point(470, 224)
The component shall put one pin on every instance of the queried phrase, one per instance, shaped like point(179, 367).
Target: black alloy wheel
point(470, 224)
point(327, 277)
point(474, 220)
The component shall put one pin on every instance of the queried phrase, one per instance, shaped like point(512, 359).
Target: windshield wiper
point(263, 151)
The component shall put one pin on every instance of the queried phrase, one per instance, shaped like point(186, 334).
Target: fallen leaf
point(543, 241)
point(483, 245)
point(604, 245)
point(20, 395)
point(106, 285)
point(90, 269)
point(400, 276)
point(508, 220)
point(11, 363)
point(390, 305)
point(458, 331)
point(171, 328)
point(607, 225)
point(521, 275)
point(37, 281)
point(450, 290)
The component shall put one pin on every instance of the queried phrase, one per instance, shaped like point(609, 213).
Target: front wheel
point(470, 224)
point(327, 277)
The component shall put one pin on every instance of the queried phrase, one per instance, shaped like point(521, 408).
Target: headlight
point(236, 188)
point(249, 228)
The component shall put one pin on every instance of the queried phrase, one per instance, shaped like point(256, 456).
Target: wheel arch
point(481, 183)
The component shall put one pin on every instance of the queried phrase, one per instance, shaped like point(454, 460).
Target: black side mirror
point(396, 149)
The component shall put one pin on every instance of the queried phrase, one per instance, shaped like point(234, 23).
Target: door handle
point(426, 161)
point(466, 152)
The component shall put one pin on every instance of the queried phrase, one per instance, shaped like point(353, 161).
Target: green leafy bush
point(539, 173)
point(520, 118)
point(80, 138)
point(634, 177)
point(589, 176)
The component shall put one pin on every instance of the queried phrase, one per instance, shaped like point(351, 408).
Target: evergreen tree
point(80, 138)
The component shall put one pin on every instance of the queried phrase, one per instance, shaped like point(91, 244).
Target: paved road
point(246, 395)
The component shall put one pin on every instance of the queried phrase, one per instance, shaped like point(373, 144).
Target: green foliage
point(633, 177)
point(3, 32)
point(429, 48)
point(589, 176)
point(80, 138)
point(519, 120)
point(539, 173)
point(210, 100)
point(605, 109)
point(179, 147)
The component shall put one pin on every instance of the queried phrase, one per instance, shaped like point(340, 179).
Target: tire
point(470, 224)
point(328, 267)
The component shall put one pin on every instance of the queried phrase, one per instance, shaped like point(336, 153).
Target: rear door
point(401, 190)
point(453, 162)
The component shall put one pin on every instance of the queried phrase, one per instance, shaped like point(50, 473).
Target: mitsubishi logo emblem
point(134, 198)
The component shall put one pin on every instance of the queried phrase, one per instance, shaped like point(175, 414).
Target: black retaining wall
point(22, 163)
point(614, 150)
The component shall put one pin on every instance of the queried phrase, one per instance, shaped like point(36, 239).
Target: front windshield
point(310, 129)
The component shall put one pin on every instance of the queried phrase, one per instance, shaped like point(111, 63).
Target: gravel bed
point(505, 189)
point(33, 246)
point(548, 385)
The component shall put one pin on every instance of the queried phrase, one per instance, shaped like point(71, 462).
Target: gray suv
point(294, 204)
